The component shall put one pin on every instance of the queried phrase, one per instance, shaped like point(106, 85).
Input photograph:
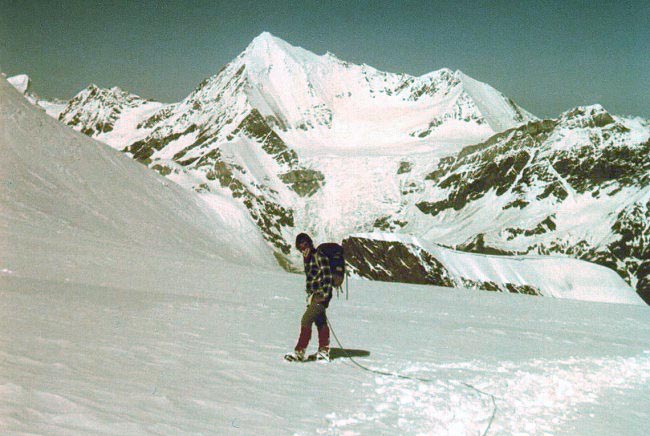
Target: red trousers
point(315, 313)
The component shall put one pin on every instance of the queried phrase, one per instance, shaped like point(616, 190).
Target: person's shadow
point(337, 353)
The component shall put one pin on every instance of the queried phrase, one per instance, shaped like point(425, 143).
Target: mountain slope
point(64, 195)
point(95, 111)
point(286, 132)
point(578, 185)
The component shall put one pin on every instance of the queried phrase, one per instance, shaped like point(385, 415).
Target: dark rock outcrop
point(392, 261)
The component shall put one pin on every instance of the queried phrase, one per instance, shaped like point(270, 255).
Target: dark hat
point(302, 238)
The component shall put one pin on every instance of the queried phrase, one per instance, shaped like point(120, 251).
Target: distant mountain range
point(313, 143)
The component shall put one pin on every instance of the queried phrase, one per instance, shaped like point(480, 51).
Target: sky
point(548, 56)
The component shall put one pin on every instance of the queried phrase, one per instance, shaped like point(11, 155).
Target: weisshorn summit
point(347, 152)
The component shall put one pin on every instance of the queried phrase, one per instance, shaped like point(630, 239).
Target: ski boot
point(296, 356)
point(323, 355)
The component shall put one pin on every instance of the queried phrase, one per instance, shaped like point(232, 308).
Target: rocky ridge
point(95, 110)
point(578, 185)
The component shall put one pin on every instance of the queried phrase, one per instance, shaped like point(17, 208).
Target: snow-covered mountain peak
point(267, 50)
point(21, 82)
point(282, 129)
point(322, 101)
point(310, 92)
point(266, 39)
point(114, 94)
point(442, 73)
point(95, 110)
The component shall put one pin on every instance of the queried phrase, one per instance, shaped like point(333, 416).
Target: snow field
point(533, 397)
point(79, 359)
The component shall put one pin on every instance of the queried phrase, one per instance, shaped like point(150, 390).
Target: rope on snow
point(420, 379)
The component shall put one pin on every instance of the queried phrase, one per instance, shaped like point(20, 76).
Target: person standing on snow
point(319, 294)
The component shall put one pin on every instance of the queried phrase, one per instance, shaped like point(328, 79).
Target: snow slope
point(498, 110)
point(155, 359)
point(64, 191)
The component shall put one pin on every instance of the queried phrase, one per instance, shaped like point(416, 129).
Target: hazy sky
point(548, 56)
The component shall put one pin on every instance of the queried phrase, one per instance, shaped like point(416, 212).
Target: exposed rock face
point(404, 167)
point(391, 261)
point(631, 248)
point(493, 165)
point(643, 285)
point(304, 182)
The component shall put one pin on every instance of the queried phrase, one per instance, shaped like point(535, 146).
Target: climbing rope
point(420, 379)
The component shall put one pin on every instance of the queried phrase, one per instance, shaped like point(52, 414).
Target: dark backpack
point(334, 253)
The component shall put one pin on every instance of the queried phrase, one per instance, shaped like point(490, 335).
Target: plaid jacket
point(319, 276)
